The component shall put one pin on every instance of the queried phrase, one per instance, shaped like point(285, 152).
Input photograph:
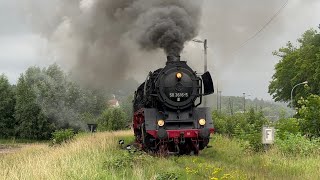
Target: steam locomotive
point(167, 117)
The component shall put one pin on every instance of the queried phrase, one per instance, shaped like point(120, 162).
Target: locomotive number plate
point(178, 95)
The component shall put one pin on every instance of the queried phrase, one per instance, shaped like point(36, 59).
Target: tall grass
point(98, 156)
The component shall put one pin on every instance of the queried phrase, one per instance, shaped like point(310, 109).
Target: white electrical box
point(268, 135)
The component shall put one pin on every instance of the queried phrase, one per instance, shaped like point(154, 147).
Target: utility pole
point(219, 93)
point(205, 47)
point(231, 106)
point(217, 97)
point(244, 102)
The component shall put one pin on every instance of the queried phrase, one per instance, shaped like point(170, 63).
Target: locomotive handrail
point(200, 95)
point(145, 85)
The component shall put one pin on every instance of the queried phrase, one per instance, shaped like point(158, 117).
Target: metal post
point(305, 82)
point(219, 93)
point(231, 106)
point(244, 102)
point(205, 66)
point(205, 45)
point(217, 97)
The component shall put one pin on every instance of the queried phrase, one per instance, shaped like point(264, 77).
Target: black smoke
point(104, 42)
point(168, 27)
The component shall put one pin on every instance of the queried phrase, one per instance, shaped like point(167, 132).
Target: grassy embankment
point(98, 157)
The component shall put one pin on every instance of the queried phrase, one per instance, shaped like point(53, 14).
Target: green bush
point(245, 126)
point(298, 145)
point(61, 136)
point(310, 115)
point(285, 126)
point(125, 159)
point(112, 119)
point(168, 176)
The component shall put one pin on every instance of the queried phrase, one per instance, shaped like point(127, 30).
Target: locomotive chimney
point(173, 58)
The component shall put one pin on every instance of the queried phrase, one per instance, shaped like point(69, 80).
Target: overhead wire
point(262, 28)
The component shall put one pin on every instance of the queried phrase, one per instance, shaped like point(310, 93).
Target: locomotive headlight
point(179, 75)
point(160, 122)
point(202, 122)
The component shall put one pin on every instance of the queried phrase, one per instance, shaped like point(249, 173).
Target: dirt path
point(5, 149)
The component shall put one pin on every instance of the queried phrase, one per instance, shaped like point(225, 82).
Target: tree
point(112, 119)
point(127, 106)
point(297, 64)
point(7, 103)
point(310, 115)
point(48, 100)
point(31, 122)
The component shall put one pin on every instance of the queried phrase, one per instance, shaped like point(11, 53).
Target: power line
point(263, 27)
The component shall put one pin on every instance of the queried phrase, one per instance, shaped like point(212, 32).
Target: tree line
point(47, 99)
point(300, 134)
point(300, 63)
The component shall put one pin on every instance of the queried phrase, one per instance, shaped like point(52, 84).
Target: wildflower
point(216, 170)
point(226, 176)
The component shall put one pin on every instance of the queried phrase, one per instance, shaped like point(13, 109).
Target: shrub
point(245, 126)
point(60, 136)
point(296, 144)
point(285, 126)
point(125, 159)
point(112, 119)
point(310, 115)
point(168, 176)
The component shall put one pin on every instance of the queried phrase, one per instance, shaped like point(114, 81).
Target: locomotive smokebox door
point(207, 83)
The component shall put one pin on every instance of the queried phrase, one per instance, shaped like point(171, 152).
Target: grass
point(14, 141)
point(98, 156)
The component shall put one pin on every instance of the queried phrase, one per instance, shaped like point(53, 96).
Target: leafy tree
point(31, 122)
point(297, 64)
point(310, 115)
point(127, 106)
point(112, 119)
point(233, 105)
point(51, 87)
point(48, 100)
point(7, 103)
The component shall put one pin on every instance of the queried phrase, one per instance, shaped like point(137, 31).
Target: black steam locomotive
point(167, 119)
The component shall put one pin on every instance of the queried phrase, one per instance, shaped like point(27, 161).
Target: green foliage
point(168, 176)
point(124, 159)
point(61, 136)
point(48, 100)
point(30, 121)
point(127, 106)
point(310, 115)
point(120, 161)
point(297, 145)
point(245, 126)
point(233, 105)
point(297, 64)
point(7, 103)
point(112, 119)
point(88, 118)
point(285, 126)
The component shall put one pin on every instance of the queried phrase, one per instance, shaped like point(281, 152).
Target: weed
point(168, 176)
point(60, 136)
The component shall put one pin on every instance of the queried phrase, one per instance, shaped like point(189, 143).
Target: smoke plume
point(106, 41)
point(168, 26)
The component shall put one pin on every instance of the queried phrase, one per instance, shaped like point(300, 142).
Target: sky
point(227, 24)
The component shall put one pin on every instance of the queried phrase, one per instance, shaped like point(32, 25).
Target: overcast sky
point(225, 23)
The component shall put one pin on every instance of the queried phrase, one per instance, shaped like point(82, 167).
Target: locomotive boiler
point(167, 117)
